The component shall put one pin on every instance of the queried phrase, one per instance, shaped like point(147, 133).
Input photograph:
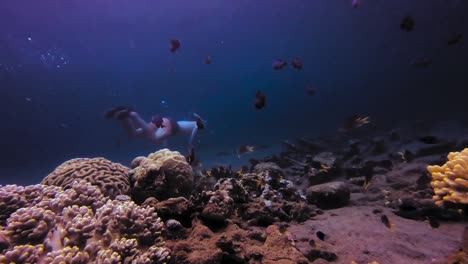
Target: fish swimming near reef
point(174, 45)
point(429, 140)
point(260, 100)
point(355, 121)
point(454, 39)
point(324, 168)
point(208, 59)
point(297, 64)
point(310, 90)
point(279, 64)
point(407, 24)
point(355, 3)
point(433, 222)
point(244, 149)
point(384, 219)
point(320, 235)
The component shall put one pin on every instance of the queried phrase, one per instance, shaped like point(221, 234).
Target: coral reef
point(111, 178)
point(319, 201)
point(78, 225)
point(450, 181)
point(163, 174)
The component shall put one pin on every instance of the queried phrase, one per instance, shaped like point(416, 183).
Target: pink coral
point(78, 225)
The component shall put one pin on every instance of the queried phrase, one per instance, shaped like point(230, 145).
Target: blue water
point(64, 63)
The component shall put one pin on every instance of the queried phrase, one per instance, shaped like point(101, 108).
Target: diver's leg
point(128, 127)
point(192, 136)
point(132, 129)
point(142, 126)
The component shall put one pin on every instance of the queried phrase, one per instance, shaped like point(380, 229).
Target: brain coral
point(163, 174)
point(450, 181)
point(78, 225)
point(111, 178)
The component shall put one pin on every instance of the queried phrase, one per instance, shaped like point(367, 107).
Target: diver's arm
point(192, 136)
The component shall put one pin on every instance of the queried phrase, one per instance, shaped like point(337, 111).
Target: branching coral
point(111, 178)
point(450, 181)
point(13, 197)
point(79, 225)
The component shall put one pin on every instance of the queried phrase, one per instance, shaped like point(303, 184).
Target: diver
point(159, 129)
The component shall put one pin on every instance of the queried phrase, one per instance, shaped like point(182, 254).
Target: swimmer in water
point(158, 129)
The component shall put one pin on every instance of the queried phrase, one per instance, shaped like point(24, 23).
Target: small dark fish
point(311, 91)
point(174, 45)
point(260, 100)
point(244, 149)
point(386, 221)
point(367, 180)
point(208, 59)
point(279, 64)
point(433, 222)
point(320, 235)
point(190, 156)
point(408, 155)
point(456, 38)
point(355, 121)
point(407, 24)
point(355, 3)
point(429, 140)
point(157, 120)
point(297, 64)
point(421, 62)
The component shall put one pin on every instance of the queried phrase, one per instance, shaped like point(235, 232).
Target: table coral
point(163, 174)
point(450, 181)
point(111, 178)
point(79, 225)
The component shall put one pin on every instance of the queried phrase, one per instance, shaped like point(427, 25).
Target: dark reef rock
point(314, 254)
point(378, 146)
point(445, 147)
point(178, 208)
point(274, 170)
point(329, 195)
point(264, 212)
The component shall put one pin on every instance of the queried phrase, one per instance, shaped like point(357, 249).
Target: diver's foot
point(123, 114)
point(111, 113)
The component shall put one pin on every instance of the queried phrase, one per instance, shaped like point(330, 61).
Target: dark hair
point(157, 120)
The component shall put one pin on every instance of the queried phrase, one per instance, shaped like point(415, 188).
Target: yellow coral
point(450, 181)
